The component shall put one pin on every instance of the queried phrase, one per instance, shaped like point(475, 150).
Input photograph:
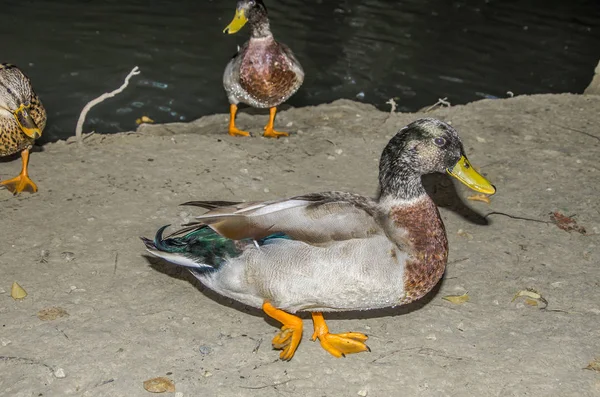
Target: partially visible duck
point(22, 120)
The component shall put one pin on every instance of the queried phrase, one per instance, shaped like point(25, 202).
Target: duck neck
point(403, 184)
point(260, 29)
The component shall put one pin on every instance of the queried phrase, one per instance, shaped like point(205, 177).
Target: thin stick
point(94, 102)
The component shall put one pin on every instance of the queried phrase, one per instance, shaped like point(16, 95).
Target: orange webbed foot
point(234, 131)
point(269, 130)
point(271, 133)
point(19, 184)
point(290, 335)
point(338, 345)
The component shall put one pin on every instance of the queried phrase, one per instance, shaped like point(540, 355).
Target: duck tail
point(202, 249)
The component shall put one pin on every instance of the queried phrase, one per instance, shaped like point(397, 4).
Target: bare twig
point(25, 360)
point(393, 104)
point(94, 102)
point(518, 217)
point(265, 386)
point(116, 263)
point(441, 102)
point(258, 343)
point(576, 130)
point(457, 261)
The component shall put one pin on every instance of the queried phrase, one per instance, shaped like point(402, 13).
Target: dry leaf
point(532, 297)
point(594, 365)
point(566, 223)
point(52, 313)
point(462, 233)
point(457, 299)
point(17, 292)
point(159, 385)
point(144, 119)
point(531, 302)
point(479, 197)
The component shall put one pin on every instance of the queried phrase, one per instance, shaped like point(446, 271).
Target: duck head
point(425, 146)
point(15, 94)
point(253, 12)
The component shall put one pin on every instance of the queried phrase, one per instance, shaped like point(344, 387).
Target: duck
point(22, 120)
point(330, 251)
point(264, 73)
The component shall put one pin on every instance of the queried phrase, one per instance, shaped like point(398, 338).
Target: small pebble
point(480, 139)
point(330, 158)
point(266, 190)
point(363, 393)
point(69, 256)
point(5, 342)
point(338, 151)
point(244, 170)
point(204, 350)
point(291, 123)
point(207, 374)
point(431, 337)
point(179, 394)
point(60, 373)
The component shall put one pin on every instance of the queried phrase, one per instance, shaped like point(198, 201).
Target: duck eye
point(439, 141)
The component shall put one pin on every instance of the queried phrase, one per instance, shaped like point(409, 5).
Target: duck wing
point(316, 218)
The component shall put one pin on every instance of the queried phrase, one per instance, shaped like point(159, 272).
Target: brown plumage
point(426, 241)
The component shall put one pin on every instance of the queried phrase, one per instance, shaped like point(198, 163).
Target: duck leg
point(338, 344)
point(290, 335)
point(233, 130)
point(269, 130)
point(21, 183)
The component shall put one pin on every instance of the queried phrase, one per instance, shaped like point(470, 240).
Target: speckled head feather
point(422, 147)
point(15, 87)
point(257, 15)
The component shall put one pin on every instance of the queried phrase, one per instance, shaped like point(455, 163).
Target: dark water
point(414, 50)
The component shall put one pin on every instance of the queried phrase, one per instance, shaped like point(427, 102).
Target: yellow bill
point(239, 20)
point(464, 172)
point(26, 122)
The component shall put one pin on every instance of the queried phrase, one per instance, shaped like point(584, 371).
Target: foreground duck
point(333, 251)
point(264, 73)
point(22, 120)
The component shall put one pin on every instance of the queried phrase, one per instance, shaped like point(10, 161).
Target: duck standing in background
point(332, 251)
point(264, 73)
point(22, 120)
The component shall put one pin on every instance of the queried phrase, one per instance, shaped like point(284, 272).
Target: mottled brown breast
point(12, 138)
point(266, 73)
point(428, 247)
